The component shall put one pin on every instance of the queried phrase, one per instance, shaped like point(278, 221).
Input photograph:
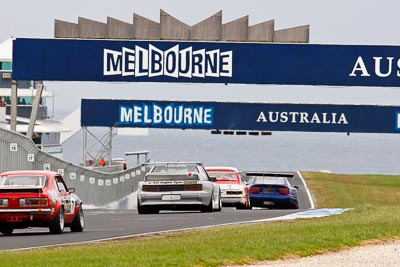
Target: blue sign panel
point(205, 62)
point(240, 116)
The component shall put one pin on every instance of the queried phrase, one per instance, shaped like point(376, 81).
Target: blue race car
point(273, 192)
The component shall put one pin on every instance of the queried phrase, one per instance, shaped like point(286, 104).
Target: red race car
point(38, 199)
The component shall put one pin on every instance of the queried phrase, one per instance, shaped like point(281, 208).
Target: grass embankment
point(376, 216)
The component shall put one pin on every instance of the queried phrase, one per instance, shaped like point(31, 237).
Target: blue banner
point(205, 62)
point(240, 116)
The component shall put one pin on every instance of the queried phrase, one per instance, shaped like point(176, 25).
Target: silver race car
point(178, 186)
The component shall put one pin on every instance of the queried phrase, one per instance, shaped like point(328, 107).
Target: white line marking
point(152, 219)
point(103, 230)
point(307, 190)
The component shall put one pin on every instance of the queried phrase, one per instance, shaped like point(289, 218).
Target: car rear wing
point(248, 174)
point(269, 173)
point(24, 189)
point(152, 177)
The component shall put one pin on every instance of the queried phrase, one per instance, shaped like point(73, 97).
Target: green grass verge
point(376, 216)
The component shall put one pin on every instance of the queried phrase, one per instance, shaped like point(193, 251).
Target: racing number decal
point(68, 205)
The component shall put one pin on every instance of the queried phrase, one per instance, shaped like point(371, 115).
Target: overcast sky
point(331, 22)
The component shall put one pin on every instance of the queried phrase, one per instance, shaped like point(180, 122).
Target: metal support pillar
point(84, 147)
point(100, 148)
point(14, 104)
point(35, 107)
point(110, 137)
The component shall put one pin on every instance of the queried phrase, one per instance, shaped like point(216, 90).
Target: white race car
point(234, 191)
point(178, 186)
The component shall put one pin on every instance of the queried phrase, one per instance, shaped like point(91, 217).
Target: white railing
point(137, 154)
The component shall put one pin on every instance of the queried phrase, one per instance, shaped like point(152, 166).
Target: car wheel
point(294, 205)
point(79, 222)
point(6, 230)
point(248, 203)
point(248, 206)
point(143, 209)
point(57, 225)
point(209, 207)
point(219, 203)
point(254, 204)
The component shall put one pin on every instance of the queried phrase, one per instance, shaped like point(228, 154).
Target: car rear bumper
point(27, 211)
point(229, 199)
point(23, 218)
point(185, 198)
point(266, 201)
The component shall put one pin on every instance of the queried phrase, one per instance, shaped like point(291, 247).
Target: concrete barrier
point(17, 152)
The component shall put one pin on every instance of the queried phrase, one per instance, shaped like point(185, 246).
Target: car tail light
point(3, 202)
point(254, 190)
point(284, 191)
point(194, 187)
point(33, 202)
point(150, 188)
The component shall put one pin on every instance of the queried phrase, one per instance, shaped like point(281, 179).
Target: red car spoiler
point(14, 189)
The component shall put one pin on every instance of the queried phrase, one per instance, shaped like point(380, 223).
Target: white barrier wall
point(2, 115)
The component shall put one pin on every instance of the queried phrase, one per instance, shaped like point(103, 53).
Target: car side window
point(60, 185)
point(203, 172)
